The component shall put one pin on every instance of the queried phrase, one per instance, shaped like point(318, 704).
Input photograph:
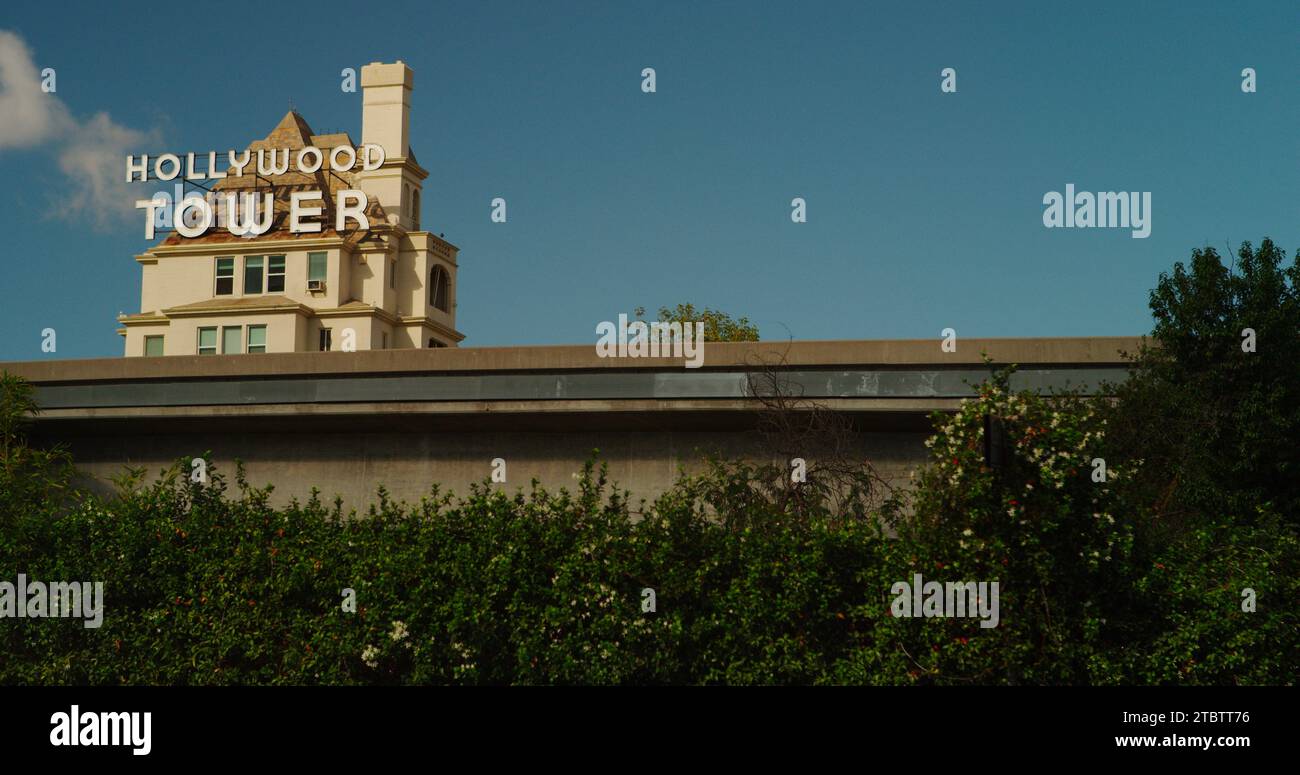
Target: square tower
point(386, 122)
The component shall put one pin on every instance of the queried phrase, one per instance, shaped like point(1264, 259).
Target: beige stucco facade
point(391, 286)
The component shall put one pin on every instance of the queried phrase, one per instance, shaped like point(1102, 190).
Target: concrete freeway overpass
point(349, 422)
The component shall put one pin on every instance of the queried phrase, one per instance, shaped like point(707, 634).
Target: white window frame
point(216, 340)
point(262, 271)
point(248, 338)
point(216, 274)
point(283, 273)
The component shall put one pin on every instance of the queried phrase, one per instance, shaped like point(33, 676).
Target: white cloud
point(92, 153)
point(94, 158)
point(28, 116)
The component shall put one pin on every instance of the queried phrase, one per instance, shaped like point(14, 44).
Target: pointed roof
point(292, 132)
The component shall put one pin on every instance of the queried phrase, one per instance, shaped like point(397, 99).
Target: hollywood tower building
point(392, 285)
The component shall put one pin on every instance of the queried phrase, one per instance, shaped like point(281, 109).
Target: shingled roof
point(293, 133)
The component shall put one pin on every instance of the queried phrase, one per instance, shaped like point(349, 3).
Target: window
point(435, 343)
point(384, 346)
point(153, 346)
point(225, 276)
point(324, 340)
point(415, 208)
point(275, 274)
point(230, 339)
point(439, 280)
point(207, 341)
point(316, 267)
point(257, 339)
point(392, 274)
point(253, 266)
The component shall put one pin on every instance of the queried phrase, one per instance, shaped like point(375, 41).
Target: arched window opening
point(439, 288)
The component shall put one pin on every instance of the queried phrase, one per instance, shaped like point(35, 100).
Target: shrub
point(209, 586)
point(1038, 524)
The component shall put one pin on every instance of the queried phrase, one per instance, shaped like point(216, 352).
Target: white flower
point(966, 532)
point(370, 656)
point(399, 631)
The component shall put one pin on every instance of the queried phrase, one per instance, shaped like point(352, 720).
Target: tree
point(32, 480)
point(1212, 408)
point(718, 326)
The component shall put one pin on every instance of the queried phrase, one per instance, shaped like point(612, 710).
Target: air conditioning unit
point(315, 285)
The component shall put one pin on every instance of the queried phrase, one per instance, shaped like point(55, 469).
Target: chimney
point(386, 107)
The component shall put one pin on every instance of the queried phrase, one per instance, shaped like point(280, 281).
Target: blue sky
point(924, 209)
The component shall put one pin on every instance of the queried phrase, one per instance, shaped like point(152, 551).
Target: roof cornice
point(366, 311)
point(433, 325)
point(301, 309)
point(249, 246)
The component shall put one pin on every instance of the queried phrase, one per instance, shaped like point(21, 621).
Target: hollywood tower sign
point(300, 242)
point(244, 213)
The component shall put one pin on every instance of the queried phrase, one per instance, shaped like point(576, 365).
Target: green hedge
point(202, 588)
point(756, 579)
point(539, 588)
